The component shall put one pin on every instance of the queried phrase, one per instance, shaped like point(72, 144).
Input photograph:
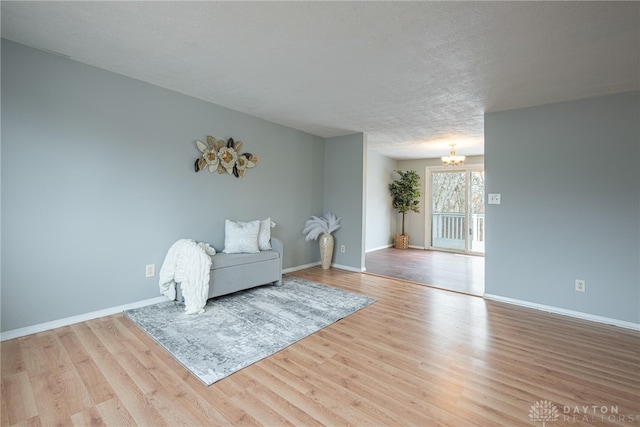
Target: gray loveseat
point(235, 272)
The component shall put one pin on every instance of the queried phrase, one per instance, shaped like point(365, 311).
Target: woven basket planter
point(402, 241)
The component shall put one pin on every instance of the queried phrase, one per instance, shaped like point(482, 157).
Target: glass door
point(476, 211)
point(448, 210)
point(456, 210)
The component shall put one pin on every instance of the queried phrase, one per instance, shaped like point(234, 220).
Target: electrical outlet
point(343, 248)
point(581, 285)
point(150, 270)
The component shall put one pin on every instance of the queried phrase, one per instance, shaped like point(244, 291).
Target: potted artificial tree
point(405, 196)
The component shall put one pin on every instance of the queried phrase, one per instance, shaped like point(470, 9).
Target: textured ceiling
point(414, 76)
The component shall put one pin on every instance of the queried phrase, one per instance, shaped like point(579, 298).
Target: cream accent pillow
point(264, 236)
point(241, 237)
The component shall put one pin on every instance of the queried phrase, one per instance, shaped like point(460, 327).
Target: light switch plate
point(494, 199)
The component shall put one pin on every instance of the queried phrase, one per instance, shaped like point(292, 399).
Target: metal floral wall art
point(221, 156)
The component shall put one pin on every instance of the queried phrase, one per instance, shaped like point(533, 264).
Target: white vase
point(326, 250)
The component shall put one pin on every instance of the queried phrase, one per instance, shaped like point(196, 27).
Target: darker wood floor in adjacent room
point(445, 270)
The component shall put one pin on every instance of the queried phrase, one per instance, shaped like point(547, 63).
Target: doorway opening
point(460, 269)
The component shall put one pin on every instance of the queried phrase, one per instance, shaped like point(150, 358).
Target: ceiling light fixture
point(452, 159)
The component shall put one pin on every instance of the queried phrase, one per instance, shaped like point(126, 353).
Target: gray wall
point(344, 195)
point(98, 181)
point(569, 175)
point(415, 222)
point(381, 220)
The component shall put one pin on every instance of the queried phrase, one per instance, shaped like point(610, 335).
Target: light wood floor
point(445, 270)
point(418, 356)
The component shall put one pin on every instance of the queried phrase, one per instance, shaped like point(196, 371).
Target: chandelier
point(452, 159)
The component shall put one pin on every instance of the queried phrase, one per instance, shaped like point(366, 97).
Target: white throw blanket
point(187, 263)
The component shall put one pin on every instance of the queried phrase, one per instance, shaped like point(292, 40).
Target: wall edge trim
point(41, 327)
point(565, 312)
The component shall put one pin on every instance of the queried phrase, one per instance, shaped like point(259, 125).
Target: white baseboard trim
point(313, 264)
point(34, 329)
point(379, 248)
point(565, 312)
point(300, 267)
point(346, 267)
point(416, 247)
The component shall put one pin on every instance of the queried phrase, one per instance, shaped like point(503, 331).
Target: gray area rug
point(239, 329)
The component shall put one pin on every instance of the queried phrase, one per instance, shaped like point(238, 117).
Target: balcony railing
point(448, 231)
